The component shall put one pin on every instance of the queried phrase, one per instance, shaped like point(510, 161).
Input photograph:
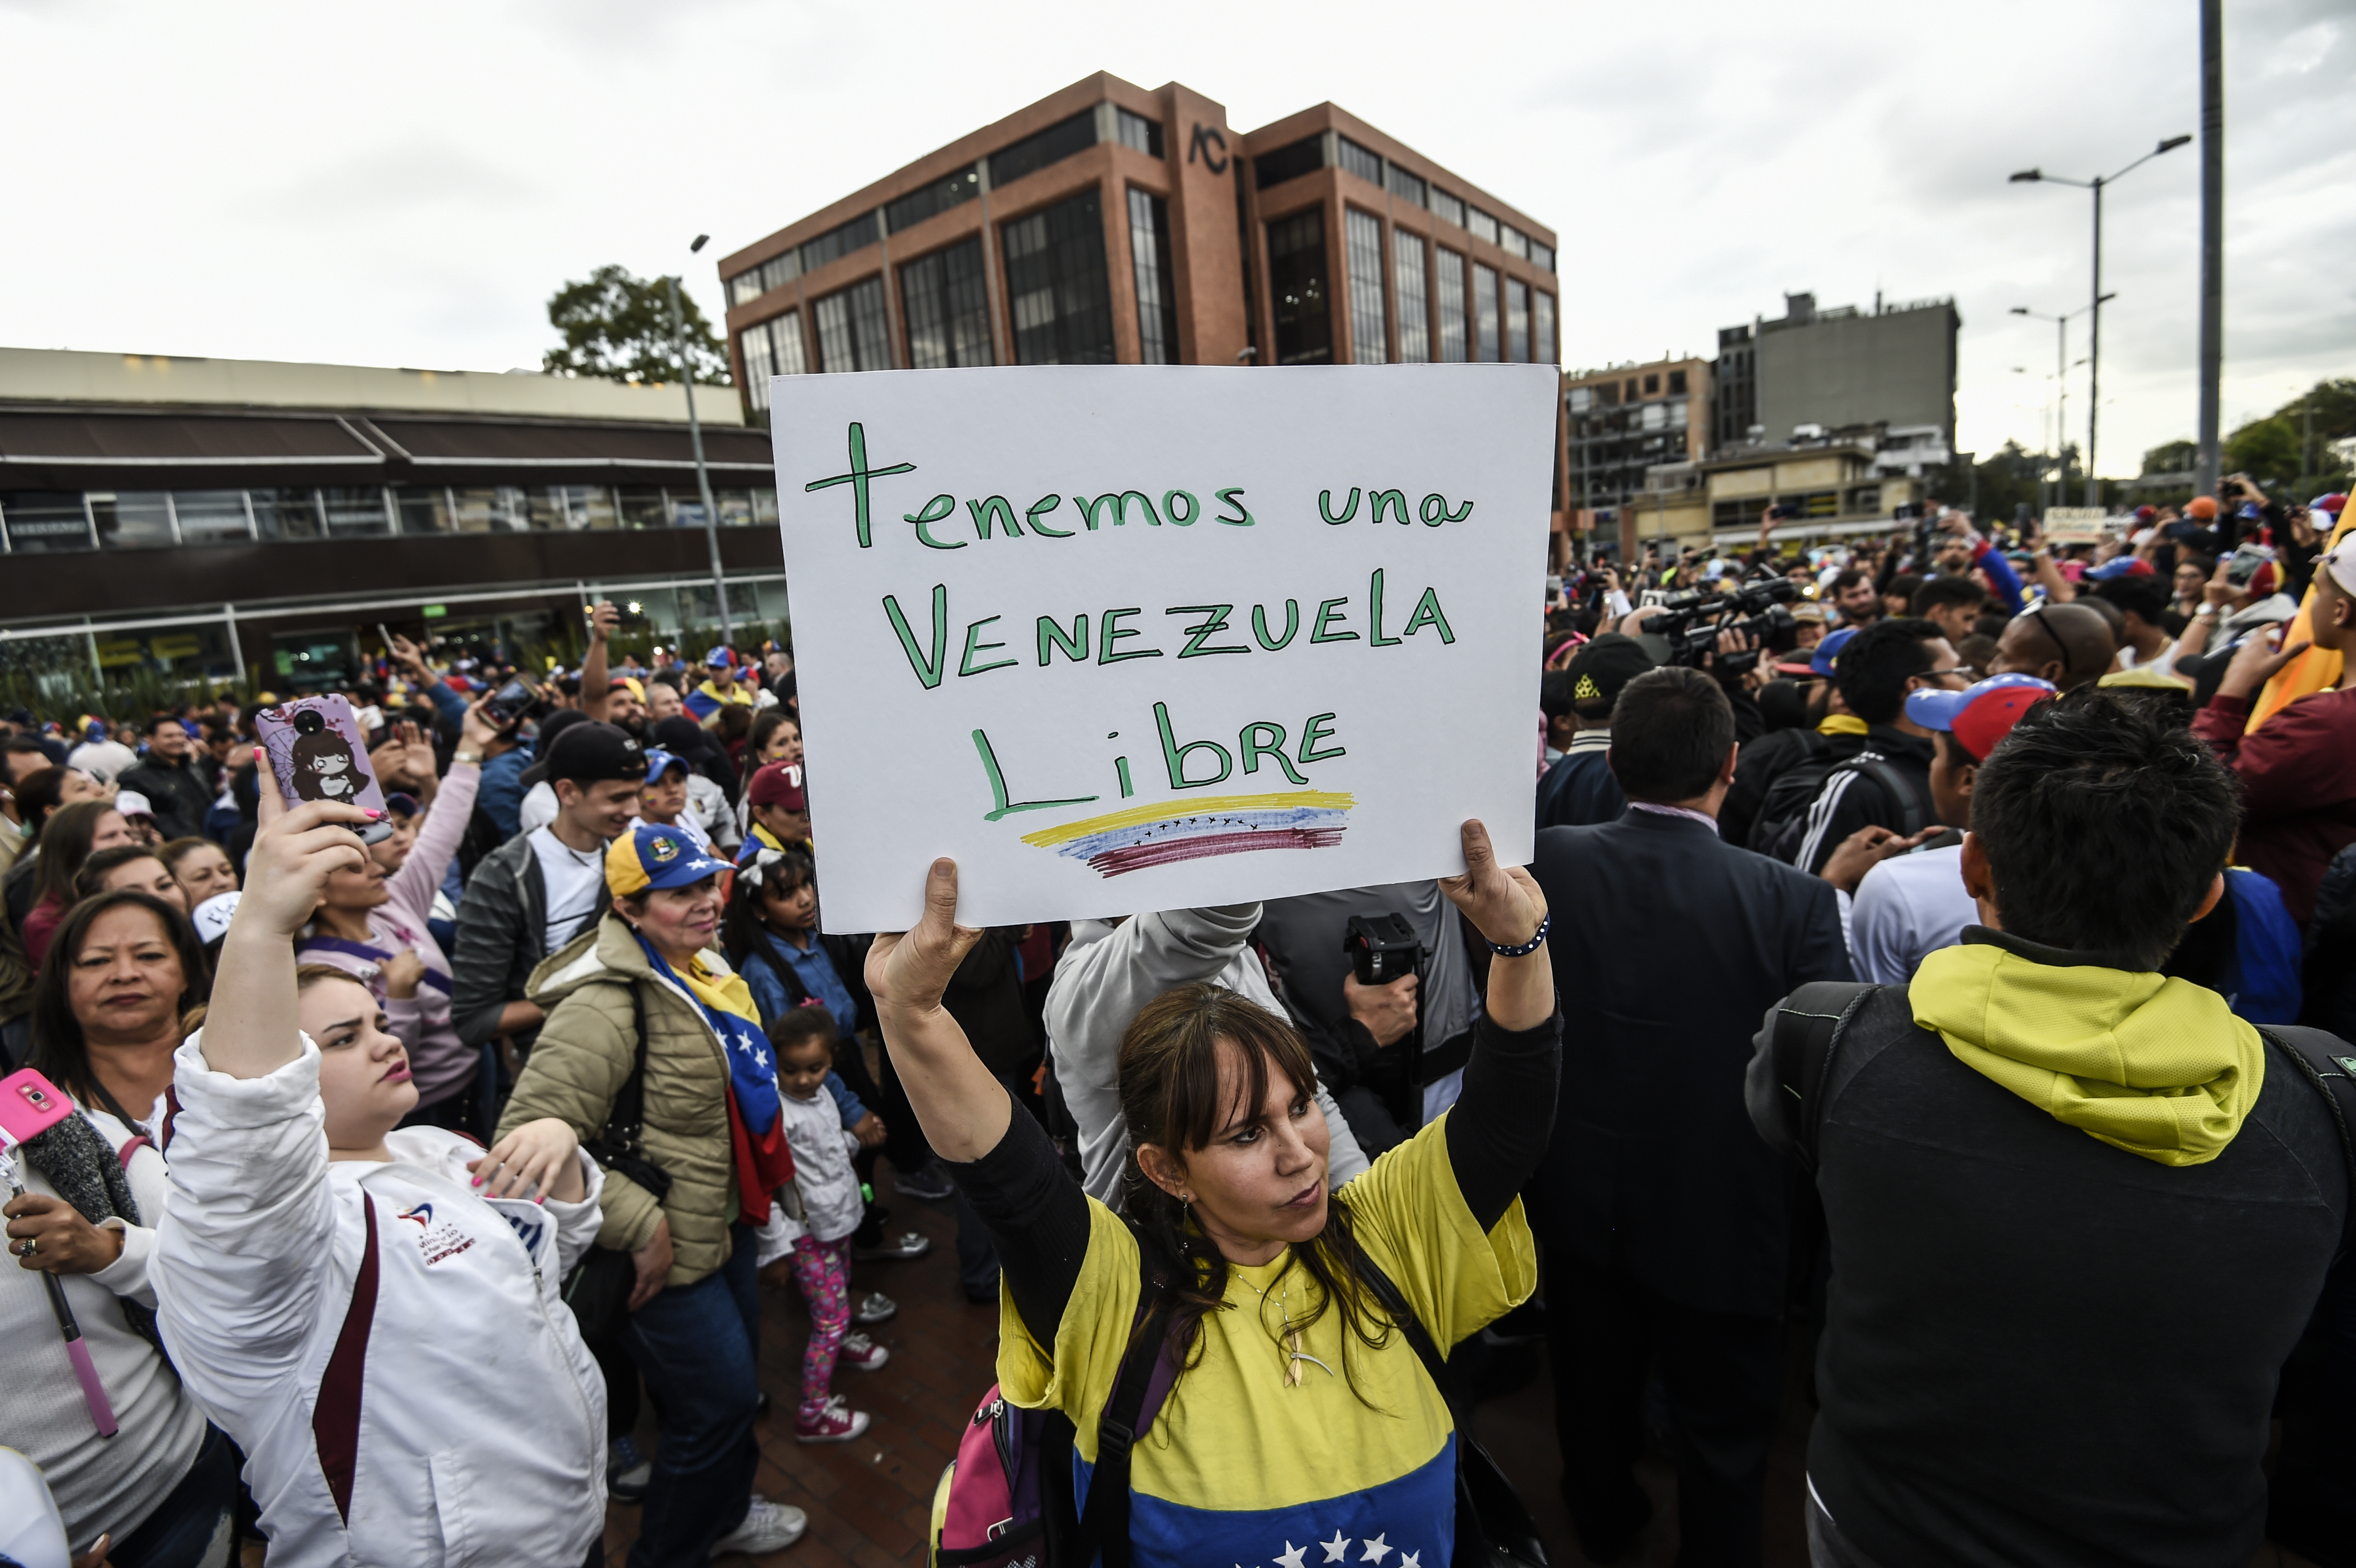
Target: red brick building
point(1109, 224)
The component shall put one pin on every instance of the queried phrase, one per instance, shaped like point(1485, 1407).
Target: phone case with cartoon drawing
point(318, 752)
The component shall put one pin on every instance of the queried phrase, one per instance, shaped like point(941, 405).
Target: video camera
point(1687, 631)
point(1383, 948)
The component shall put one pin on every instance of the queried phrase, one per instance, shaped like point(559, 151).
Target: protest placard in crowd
point(1122, 638)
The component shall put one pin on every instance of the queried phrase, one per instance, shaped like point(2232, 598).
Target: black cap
point(1599, 669)
point(590, 752)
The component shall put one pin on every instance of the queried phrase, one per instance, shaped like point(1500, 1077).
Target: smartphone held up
point(317, 751)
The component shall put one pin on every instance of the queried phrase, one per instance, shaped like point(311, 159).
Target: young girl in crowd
point(820, 1238)
point(370, 1311)
point(663, 800)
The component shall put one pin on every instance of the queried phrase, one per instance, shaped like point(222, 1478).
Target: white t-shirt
point(1907, 907)
point(573, 880)
point(2165, 664)
point(687, 825)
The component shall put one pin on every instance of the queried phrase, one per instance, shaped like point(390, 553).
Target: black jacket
point(2039, 1348)
point(178, 790)
point(1667, 946)
point(1855, 798)
point(502, 936)
point(1578, 791)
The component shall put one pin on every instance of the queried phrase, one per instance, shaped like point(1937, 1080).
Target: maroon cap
point(779, 783)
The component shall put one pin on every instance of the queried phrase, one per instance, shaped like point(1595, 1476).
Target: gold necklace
point(1287, 1337)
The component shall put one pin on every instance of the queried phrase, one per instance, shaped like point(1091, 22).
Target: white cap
point(2341, 562)
point(100, 759)
point(31, 1530)
point(211, 917)
point(131, 803)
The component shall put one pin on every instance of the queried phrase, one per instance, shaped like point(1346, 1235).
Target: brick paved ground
point(868, 1500)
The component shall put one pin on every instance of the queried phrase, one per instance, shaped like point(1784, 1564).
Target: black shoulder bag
point(598, 1288)
point(1494, 1528)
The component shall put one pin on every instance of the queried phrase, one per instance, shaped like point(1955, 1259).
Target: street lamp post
point(695, 439)
point(2061, 396)
point(2095, 296)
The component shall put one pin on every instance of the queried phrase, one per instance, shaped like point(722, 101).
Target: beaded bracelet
point(1527, 948)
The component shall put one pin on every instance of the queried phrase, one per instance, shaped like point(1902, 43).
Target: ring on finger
point(26, 1248)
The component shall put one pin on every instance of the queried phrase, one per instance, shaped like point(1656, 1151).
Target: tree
point(2267, 450)
point(618, 326)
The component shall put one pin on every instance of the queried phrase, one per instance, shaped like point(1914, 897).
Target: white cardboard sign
point(1121, 639)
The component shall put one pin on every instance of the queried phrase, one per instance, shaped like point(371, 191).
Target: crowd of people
point(1957, 931)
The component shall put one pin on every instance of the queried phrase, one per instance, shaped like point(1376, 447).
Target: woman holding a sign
point(1303, 1413)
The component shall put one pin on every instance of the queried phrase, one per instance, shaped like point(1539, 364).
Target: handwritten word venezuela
point(1107, 639)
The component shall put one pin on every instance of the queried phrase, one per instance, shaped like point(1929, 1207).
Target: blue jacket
point(775, 995)
point(500, 795)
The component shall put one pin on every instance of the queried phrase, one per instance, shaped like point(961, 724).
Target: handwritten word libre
point(928, 658)
point(993, 515)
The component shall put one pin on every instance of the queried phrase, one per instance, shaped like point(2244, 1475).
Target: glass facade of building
point(1056, 287)
point(1486, 347)
point(1542, 316)
point(1518, 321)
point(1369, 343)
point(1414, 298)
point(853, 333)
point(944, 300)
point(1297, 282)
point(1157, 291)
point(1452, 307)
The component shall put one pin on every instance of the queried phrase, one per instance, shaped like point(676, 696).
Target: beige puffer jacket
point(582, 1058)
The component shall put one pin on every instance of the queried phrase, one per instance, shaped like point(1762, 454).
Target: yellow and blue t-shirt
point(1238, 1469)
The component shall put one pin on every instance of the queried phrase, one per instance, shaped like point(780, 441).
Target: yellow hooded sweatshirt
point(2158, 1067)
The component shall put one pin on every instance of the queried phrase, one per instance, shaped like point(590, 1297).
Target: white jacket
point(1104, 978)
point(388, 1349)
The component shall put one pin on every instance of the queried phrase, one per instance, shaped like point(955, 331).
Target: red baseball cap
point(779, 783)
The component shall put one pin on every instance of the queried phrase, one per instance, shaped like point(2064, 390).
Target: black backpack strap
point(1809, 1025)
point(1901, 790)
point(2329, 1065)
point(1103, 1524)
point(616, 1144)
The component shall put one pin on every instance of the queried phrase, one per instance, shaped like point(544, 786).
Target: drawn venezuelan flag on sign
point(1143, 836)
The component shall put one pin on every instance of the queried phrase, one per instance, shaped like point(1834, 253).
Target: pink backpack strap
point(130, 1147)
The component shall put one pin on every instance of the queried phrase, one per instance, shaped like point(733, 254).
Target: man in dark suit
point(1661, 1211)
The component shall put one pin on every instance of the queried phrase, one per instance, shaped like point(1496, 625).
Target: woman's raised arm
point(962, 1108)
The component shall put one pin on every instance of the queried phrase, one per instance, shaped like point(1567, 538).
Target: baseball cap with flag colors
point(651, 855)
point(1980, 715)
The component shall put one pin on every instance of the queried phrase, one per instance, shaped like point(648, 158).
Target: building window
point(1678, 412)
point(1677, 383)
point(1143, 134)
point(141, 520)
point(1654, 416)
point(1296, 268)
point(1481, 225)
point(760, 364)
point(944, 299)
point(1518, 321)
point(851, 332)
point(840, 241)
point(1515, 242)
point(1369, 343)
point(1414, 304)
point(1447, 206)
point(1652, 385)
point(786, 343)
point(1036, 151)
point(1056, 283)
point(356, 512)
point(1488, 350)
point(423, 509)
point(1290, 162)
point(1542, 317)
point(1452, 306)
point(1542, 256)
point(285, 514)
point(1149, 259)
point(955, 190)
point(1360, 161)
point(1407, 186)
point(213, 516)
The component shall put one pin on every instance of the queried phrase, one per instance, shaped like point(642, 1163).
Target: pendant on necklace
point(1296, 1355)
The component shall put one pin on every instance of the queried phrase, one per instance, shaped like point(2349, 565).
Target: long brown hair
point(1170, 1097)
point(65, 845)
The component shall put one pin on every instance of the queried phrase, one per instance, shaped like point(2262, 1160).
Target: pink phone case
point(29, 1104)
point(318, 752)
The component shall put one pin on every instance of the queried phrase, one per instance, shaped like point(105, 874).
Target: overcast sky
point(407, 184)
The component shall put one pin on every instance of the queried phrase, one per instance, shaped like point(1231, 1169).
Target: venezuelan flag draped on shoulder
point(1241, 1468)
